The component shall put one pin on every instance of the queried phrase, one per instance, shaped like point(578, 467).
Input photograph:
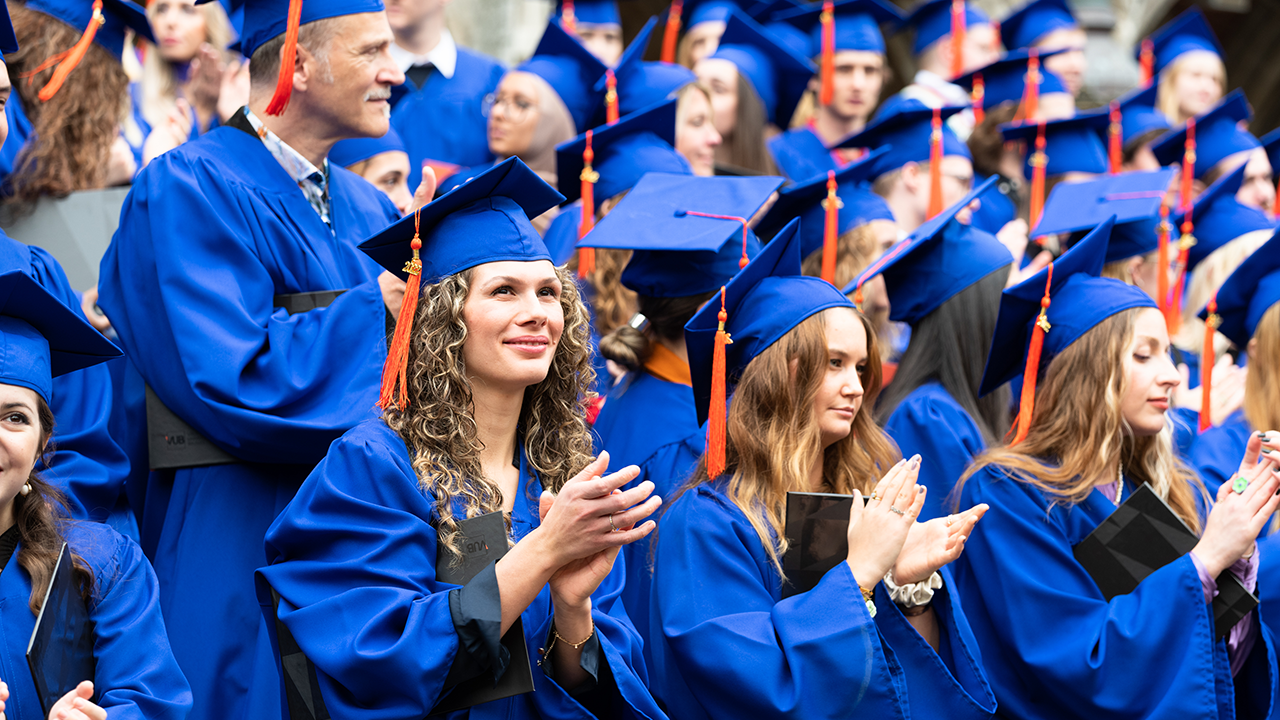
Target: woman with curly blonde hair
point(483, 412)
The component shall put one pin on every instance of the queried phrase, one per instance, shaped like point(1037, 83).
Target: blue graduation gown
point(353, 558)
point(1268, 590)
point(210, 232)
point(1216, 453)
point(19, 130)
point(442, 120)
point(800, 154)
point(136, 677)
point(1054, 648)
point(930, 422)
point(725, 645)
point(87, 464)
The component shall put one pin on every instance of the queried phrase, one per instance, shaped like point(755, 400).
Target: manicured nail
point(1266, 450)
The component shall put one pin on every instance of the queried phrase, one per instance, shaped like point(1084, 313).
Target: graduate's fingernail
point(1266, 450)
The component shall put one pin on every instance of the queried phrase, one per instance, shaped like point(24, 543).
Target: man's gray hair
point(316, 36)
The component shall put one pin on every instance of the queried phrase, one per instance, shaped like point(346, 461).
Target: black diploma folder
point(817, 532)
point(60, 654)
point(484, 541)
point(1142, 536)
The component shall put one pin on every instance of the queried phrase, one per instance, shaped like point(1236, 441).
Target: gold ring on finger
point(612, 527)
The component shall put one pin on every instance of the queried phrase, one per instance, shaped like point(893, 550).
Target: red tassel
point(672, 31)
point(831, 205)
point(1115, 136)
point(610, 97)
point(568, 21)
point(828, 20)
point(1031, 86)
point(1027, 403)
point(395, 370)
point(935, 166)
point(1162, 281)
point(957, 38)
point(289, 55)
point(995, 27)
point(1147, 62)
point(977, 96)
point(1187, 228)
point(717, 414)
point(1039, 162)
point(588, 177)
point(1188, 165)
point(67, 61)
point(1207, 362)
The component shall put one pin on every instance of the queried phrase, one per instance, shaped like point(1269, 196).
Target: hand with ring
point(1238, 515)
point(935, 543)
point(878, 530)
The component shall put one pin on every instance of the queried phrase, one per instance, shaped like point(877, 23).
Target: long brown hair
point(77, 127)
point(772, 437)
point(629, 347)
point(1079, 435)
point(745, 146)
point(1262, 382)
point(439, 425)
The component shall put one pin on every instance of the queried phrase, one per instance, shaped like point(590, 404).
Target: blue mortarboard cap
point(265, 19)
point(1248, 293)
point(795, 39)
point(1189, 31)
point(591, 12)
point(806, 201)
point(118, 17)
point(1004, 80)
point(1219, 218)
point(906, 126)
point(571, 70)
point(1138, 114)
point(641, 84)
point(1271, 145)
point(857, 24)
point(637, 144)
point(1035, 20)
point(779, 76)
point(678, 254)
point(483, 220)
point(1134, 198)
point(346, 153)
point(941, 258)
point(932, 22)
point(8, 40)
point(1071, 144)
point(1079, 300)
point(700, 11)
point(40, 338)
point(1218, 135)
point(764, 301)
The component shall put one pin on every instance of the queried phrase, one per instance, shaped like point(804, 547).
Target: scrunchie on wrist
point(912, 594)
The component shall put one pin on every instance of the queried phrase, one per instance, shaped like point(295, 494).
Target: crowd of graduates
point(370, 288)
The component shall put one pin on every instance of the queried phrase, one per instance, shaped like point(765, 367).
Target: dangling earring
point(26, 489)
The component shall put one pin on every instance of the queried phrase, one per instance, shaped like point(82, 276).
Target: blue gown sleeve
point(946, 439)
point(1055, 648)
point(87, 464)
point(136, 676)
point(730, 649)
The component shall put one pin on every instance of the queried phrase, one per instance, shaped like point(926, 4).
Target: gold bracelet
point(869, 596)
point(546, 652)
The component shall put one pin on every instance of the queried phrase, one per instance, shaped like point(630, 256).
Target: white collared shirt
point(443, 57)
point(312, 181)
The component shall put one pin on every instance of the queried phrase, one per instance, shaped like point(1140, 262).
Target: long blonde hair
point(1079, 434)
point(1205, 280)
point(439, 425)
point(772, 437)
point(160, 77)
point(1262, 383)
point(1167, 99)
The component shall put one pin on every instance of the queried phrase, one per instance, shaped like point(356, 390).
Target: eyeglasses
point(515, 109)
point(965, 181)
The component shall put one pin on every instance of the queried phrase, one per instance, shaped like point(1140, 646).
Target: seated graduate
point(135, 675)
point(1185, 60)
point(597, 25)
point(482, 412)
point(1221, 145)
point(1048, 26)
point(945, 282)
point(383, 161)
point(852, 71)
point(1091, 429)
point(881, 635)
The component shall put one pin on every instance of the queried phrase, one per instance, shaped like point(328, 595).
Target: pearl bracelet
point(912, 594)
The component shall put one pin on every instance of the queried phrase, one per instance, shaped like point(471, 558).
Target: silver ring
point(897, 511)
point(612, 527)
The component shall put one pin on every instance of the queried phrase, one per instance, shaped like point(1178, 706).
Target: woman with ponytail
point(881, 633)
point(1091, 431)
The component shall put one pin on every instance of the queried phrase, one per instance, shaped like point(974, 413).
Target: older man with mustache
point(241, 299)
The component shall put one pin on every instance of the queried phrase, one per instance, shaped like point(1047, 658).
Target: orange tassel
point(588, 177)
point(672, 31)
point(1188, 165)
point(1147, 62)
point(831, 205)
point(957, 38)
point(1031, 87)
point(1115, 136)
point(718, 412)
point(610, 97)
point(976, 97)
point(568, 21)
point(995, 27)
point(284, 83)
point(1027, 403)
point(828, 19)
point(1162, 281)
point(1187, 228)
point(395, 371)
point(1039, 163)
point(71, 58)
point(1207, 362)
point(935, 166)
